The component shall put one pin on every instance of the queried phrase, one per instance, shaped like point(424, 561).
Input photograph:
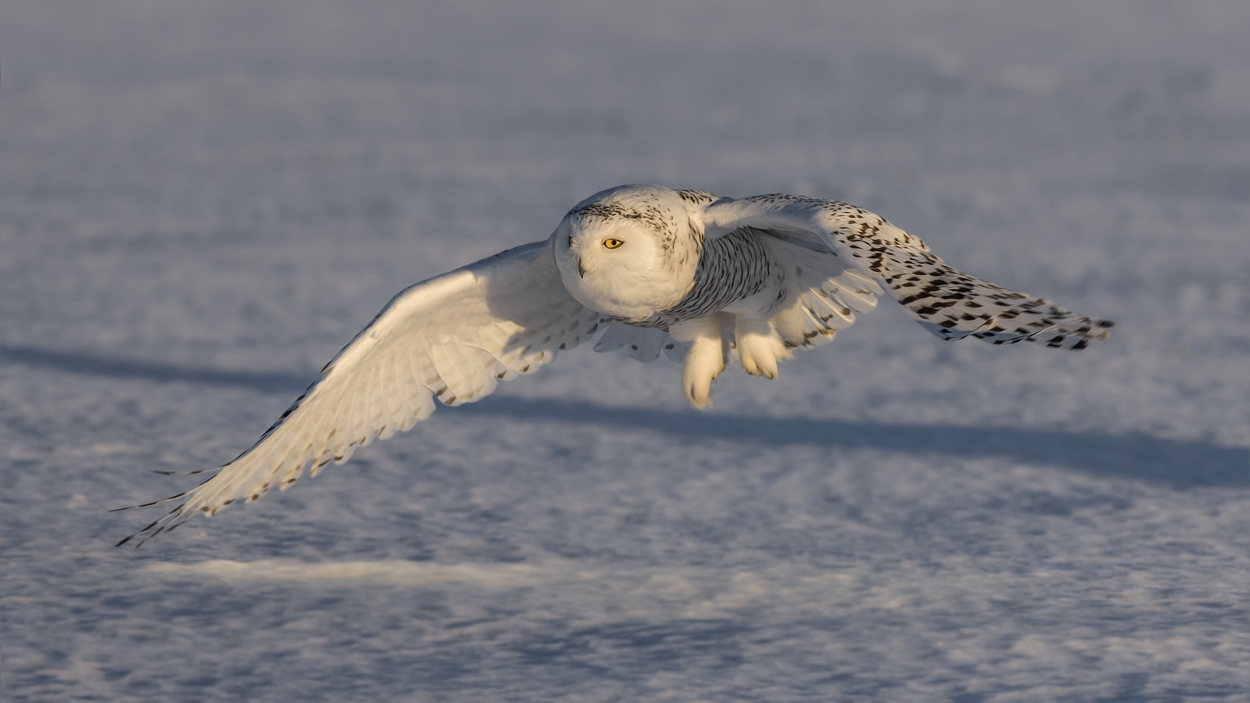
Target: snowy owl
point(703, 279)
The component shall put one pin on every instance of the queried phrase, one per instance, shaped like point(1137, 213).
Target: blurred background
point(201, 202)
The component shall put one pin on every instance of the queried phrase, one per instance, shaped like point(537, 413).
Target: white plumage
point(650, 270)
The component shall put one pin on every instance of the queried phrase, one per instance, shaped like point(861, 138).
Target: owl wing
point(947, 302)
point(453, 337)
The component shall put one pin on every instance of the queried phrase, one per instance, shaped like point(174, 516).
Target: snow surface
point(201, 202)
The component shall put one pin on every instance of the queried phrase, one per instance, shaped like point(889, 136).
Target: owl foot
point(759, 347)
point(704, 362)
point(706, 358)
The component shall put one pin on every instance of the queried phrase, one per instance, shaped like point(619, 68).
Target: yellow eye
point(612, 243)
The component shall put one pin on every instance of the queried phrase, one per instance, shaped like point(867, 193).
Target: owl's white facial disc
point(627, 252)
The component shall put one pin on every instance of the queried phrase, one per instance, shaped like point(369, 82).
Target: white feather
point(457, 334)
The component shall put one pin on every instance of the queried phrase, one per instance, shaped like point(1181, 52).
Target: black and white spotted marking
point(949, 303)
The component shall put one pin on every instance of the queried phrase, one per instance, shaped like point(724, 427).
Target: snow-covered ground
point(200, 202)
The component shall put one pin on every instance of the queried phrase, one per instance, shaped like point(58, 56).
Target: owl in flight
point(703, 279)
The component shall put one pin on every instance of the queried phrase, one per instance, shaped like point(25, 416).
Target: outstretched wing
point(949, 303)
point(453, 337)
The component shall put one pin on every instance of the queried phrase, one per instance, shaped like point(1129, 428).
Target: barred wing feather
point(949, 303)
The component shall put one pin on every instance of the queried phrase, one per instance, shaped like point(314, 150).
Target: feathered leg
point(706, 358)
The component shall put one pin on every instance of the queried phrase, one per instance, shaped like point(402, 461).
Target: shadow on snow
point(1175, 462)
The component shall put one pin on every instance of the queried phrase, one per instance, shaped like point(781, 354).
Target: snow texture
point(200, 203)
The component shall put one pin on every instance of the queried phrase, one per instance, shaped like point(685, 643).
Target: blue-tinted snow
point(201, 202)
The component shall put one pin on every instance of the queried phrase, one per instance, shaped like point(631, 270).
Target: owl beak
point(581, 270)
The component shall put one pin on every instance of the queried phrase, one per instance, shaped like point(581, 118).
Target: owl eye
point(570, 241)
point(612, 243)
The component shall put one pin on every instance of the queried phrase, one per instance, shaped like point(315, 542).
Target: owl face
point(622, 252)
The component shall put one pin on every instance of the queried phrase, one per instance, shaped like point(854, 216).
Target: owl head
point(628, 252)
